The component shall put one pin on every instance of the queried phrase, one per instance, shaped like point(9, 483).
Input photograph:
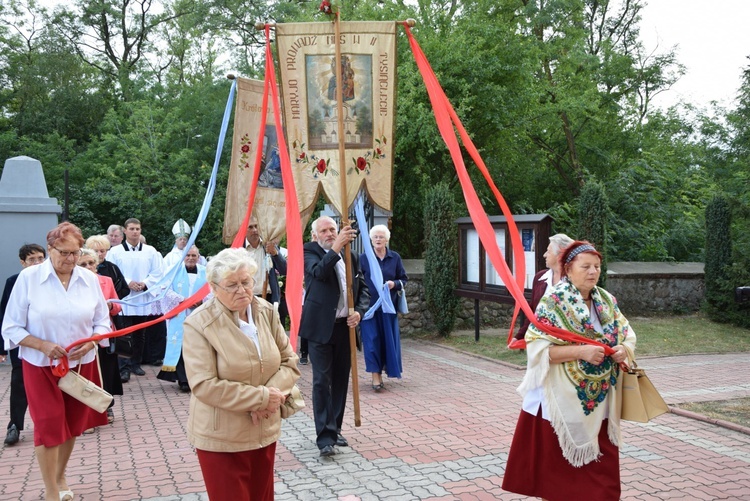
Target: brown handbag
point(640, 400)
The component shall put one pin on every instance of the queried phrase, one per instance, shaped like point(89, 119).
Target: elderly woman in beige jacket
point(241, 369)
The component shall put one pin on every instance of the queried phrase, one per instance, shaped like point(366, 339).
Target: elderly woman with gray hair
point(543, 282)
point(241, 368)
point(381, 337)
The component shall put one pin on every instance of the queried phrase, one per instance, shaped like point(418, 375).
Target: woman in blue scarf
point(381, 337)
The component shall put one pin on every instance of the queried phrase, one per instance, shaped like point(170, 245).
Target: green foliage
point(553, 93)
point(720, 278)
point(718, 257)
point(441, 257)
point(592, 223)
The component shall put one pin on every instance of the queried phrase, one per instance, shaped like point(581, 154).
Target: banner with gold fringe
point(269, 204)
point(307, 65)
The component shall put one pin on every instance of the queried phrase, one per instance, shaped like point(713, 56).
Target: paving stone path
point(440, 433)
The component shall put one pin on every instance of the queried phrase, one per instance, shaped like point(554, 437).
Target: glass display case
point(478, 278)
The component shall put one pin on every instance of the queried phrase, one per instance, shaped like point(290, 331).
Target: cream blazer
point(229, 378)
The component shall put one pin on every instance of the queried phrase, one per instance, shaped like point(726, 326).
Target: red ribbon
point(447, 119)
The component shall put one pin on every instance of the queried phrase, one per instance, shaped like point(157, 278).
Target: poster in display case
point(478, 278)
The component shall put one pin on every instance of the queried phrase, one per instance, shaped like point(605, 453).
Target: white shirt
point(342, 310)
point(139, 266)
point(250, 330)
point(175, 256)
point(40, 306)
point(264, 262)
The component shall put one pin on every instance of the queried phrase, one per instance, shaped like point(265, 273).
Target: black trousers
point(149, 344)
point(18, 403)
point(331, 364)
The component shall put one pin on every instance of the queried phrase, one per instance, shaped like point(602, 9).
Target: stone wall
point(419, 317)
point(646, 289)
point(641, 289)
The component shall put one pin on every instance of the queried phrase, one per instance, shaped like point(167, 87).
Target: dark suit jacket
point(322, 293)
point(3, 304)
point(538, 288)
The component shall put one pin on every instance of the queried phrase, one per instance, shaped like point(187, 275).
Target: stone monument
point(27, 212)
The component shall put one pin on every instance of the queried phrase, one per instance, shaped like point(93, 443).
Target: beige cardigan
point(228, 378)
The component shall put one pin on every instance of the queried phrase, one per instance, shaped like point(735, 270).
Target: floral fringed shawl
point(576, 392)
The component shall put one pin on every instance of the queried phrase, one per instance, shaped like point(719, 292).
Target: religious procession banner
point(307, 61)
point(269, 204)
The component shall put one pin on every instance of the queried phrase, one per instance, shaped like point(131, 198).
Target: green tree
point(441, 258)
point(592, 226)
point(719, 297)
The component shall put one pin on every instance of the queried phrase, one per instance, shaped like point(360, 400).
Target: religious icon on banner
point(307, 60)
point(269, 204)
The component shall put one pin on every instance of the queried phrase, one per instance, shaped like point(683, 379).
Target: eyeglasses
point(234, 289)
point(34, 260)
point(67, 254)
point(87, 264)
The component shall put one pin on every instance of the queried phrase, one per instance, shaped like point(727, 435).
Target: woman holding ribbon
point(566, 443)
point(53, 305)
point(381, 336)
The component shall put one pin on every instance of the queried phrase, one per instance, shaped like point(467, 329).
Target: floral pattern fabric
point(565, 308)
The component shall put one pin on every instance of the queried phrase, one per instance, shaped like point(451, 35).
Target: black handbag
point(123, 345)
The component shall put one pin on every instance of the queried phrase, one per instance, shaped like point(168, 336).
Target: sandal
point(87, 432)
point(66, 495)
point(110, 416)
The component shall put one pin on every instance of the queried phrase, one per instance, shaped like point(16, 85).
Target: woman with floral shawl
point(566, 444)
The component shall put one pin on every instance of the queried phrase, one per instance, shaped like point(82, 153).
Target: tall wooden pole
point(345, 216)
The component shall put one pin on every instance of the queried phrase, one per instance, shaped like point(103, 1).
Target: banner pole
point(345, 216)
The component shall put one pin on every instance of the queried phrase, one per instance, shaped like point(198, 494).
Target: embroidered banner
point(269, 204)
point(307, 64)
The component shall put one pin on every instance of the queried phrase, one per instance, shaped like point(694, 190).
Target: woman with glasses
point(241, 368)
point(52, 305)
point(107, 357)
point(100, 245)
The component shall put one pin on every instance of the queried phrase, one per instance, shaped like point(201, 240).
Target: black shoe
point(12, 436)
point(136, 369)
point(303, 359)
point(341, 441)
point(326, 451)
point(125, 376)
point(184, 387)
point(157, 363)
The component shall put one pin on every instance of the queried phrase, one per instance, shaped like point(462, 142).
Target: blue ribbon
point(376, 274)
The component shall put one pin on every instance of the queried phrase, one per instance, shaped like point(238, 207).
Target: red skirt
point(536, 466)
point(240, 476)
point(57, 416)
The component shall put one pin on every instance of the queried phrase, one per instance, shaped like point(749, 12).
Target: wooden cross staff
point(345, 221)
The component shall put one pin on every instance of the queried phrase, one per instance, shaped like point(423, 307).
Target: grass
point(735, 411)
point(673, 335)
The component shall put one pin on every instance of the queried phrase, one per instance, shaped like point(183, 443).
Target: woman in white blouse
point(51, 306)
